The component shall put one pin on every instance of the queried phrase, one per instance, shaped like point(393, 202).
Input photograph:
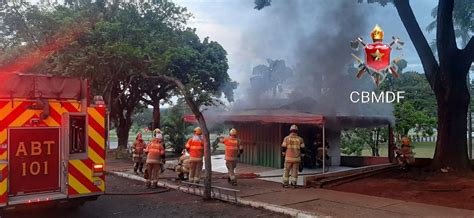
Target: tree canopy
point(270, 77)
point(115, 46)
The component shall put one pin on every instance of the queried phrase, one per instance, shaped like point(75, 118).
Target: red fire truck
point(52, 141)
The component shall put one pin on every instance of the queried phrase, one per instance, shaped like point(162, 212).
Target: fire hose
point(138, 193)
point(246, 175)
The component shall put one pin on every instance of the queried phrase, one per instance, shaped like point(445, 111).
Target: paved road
point(167, 204)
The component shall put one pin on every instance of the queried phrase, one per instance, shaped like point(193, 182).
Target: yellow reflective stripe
point(96, 116)
point(3, 136)
point(94, 156)
point(51, 122)
point(232, 148)
point(292, 159)
point(96, 137)
point(76, 185)
point(4, 155)
point(292, 146)
point(195, 159)
point(56, 106)
point(23, 118)
point(81, 167)
point(3, 184)
point(7, 109)
point(75, 104)
point(196, 147)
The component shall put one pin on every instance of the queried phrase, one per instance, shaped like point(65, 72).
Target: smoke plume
point(313, 38)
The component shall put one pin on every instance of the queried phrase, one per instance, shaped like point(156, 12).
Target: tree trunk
point(451, 146)
point(207, 157)
point(376, 147)
point(122, 130)
point(207, 145)
point(447, 79)
point(205, 131)
point(156, 115)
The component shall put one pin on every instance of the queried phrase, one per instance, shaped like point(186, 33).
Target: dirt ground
point(418, 185)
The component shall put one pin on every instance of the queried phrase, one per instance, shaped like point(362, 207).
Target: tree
point(174, 128)
point(353, 141)
point(447, 78)
point(462, 21)
point(259, 4)
point(156, 94)
point(417, 91)
point(270, 78)
point(198, 70)
point(103, 52)
point(418, 109)
point(141, 118)
point(407, 118)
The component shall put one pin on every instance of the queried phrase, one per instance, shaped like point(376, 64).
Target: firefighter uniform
point(233, 149)
point(405, 154)
point(138, 148)
point(155, 151)
point(292, 148)
point(183, 166)
point(195, 147)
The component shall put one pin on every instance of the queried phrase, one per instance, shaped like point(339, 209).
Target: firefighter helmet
point(139, 136)
point(294, 127)
point(405, 141)
point(157, 131)
point(233, 132)
point(198, 130)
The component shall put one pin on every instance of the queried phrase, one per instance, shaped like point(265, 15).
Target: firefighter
point(155, 150)
point(137, 153)
point(183, 166)
point(405, 155)
point(320, 150)
point(195, 148)
point(233, 149)
point(292, 149)
point(156, 132)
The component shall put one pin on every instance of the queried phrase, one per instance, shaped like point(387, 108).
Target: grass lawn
point(422, 149)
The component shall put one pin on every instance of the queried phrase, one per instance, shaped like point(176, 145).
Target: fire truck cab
point(52, 141)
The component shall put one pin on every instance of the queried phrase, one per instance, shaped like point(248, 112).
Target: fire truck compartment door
point(33, 160)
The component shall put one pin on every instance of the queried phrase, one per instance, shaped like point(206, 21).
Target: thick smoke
point(313, 38)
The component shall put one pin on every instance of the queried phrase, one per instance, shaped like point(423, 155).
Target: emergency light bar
point(99, 101)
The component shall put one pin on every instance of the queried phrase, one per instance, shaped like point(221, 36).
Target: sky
point(230, 23)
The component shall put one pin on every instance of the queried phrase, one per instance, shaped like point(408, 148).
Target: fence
point(424, 139)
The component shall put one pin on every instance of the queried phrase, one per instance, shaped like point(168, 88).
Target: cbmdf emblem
point(377, 62)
